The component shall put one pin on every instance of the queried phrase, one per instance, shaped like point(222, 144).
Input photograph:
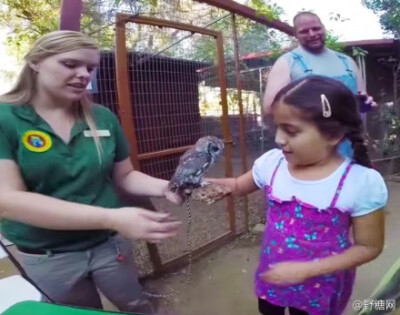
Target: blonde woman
point(60, 159)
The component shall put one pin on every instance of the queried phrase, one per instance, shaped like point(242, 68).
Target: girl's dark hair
point(305, 95)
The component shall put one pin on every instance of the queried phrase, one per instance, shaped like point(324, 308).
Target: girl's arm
point(369, 235)
point(239, 186)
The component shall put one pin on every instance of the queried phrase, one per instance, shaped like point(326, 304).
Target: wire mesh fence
point(165, 99)
point(176, 96)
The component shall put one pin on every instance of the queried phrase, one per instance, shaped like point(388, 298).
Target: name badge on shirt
point(100, 133)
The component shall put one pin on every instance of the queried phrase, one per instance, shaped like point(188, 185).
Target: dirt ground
point(221, 282)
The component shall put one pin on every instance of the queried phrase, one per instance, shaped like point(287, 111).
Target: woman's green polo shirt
point(70, 172)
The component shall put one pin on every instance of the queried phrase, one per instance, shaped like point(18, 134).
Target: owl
point(194, 163)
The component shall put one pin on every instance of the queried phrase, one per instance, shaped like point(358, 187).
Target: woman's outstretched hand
point(137, 223)
point(175, 198)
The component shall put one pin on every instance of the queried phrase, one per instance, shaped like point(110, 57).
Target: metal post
point(70, 17)
point(260, 78)
point(242, 126)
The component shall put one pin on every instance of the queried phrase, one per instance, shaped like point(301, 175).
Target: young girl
point(315, 195)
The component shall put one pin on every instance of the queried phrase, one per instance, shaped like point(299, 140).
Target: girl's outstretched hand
point(286, 273)
point(136, 223)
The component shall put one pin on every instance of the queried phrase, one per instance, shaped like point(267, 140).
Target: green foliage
point(252, 36)
point(389, 11)
point(389, 16)
point(358, 51)
point(332, 41)
point(391, 144)
point(28, 20)
point(255, 37)
point(337, 17)
point(205, 50)
point(266, 8)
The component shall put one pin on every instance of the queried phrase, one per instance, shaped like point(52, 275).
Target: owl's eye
point(214, 148)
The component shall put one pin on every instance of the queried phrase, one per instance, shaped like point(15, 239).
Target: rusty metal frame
point(250, 13)
point(242, 123)
point(70, 15)
point(126, 113)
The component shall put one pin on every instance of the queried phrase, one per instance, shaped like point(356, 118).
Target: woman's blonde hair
point(53, 43)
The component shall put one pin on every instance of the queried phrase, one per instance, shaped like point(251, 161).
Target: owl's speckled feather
point(195, 162)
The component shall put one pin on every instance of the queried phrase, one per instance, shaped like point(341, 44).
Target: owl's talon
point(204, 183)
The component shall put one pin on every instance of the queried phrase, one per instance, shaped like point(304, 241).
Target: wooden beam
point(165, 23)
point(123, 91)
point(242, 123)
point(126, 112)
point(70, 15)
point(250, 13)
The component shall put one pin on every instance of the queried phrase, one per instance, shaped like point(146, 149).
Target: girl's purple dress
point(297, 231)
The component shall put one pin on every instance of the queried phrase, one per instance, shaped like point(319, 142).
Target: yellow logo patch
point(36, 141)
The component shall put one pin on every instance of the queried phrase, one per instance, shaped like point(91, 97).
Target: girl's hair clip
point(326, 107)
